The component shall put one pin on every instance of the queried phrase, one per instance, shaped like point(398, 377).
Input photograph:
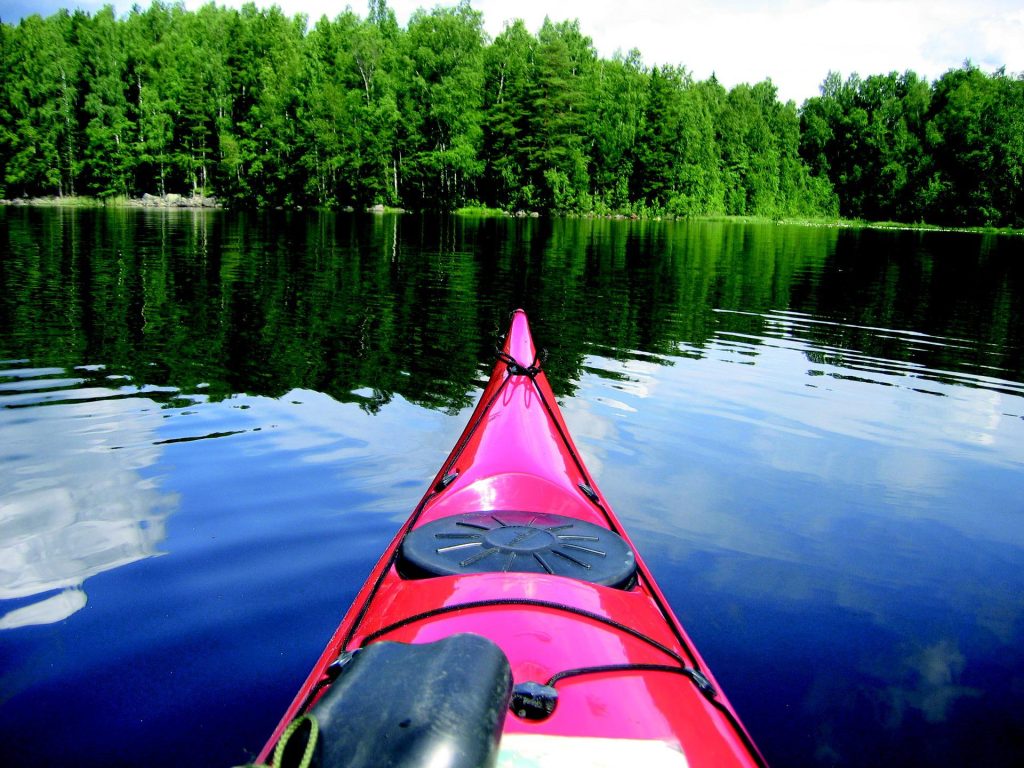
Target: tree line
point(898, 148)
point(260, 109)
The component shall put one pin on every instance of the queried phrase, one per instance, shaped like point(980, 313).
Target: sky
point(795, 43)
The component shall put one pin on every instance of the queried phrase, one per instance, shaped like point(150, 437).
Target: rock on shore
point(172, 200)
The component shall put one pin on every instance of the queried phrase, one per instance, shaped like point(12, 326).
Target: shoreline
point(170, 200)
point(202, 202)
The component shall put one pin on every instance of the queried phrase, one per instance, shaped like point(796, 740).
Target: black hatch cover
point(520, 541)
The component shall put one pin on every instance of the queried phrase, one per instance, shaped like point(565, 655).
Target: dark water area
point(212, 423)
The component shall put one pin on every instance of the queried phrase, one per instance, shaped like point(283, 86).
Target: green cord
point(282, 744)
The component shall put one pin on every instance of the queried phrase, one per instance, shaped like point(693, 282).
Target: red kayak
point(511, 621)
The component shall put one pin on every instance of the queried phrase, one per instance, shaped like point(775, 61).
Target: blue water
point(212, 424)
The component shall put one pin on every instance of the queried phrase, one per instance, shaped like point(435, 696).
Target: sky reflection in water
point(815, 438)
point(863, 537)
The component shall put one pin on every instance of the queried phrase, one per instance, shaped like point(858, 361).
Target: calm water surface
point(211, 424)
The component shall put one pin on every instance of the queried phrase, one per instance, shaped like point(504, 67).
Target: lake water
point(212, 423)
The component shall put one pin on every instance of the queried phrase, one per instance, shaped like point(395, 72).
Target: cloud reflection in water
point(73, 499)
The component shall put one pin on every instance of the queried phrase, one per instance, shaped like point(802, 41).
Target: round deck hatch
point(517, 541)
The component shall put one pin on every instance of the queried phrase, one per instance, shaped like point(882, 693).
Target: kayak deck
point(515, 543)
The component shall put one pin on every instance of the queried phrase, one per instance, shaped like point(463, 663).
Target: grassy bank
point(916, 226)
point(480, 211)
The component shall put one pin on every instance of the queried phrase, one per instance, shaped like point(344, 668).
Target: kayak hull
point(624, 668)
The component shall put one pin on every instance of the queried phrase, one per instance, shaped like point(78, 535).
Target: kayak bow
point(511, 619)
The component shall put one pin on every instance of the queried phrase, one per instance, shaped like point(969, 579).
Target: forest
point(264, 110)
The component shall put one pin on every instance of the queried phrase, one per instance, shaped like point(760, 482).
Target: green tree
point(9, 52)
point(441, 106)
point(897, 148)
point(328, 118)
point(677, 169)
point(618, 116)
point(975, 137)
point(151, 79)
point(43, 139)
point(832, 138)
point(350, 116)
point(565, 63)
point(199, 46)
point(750, 153)
point(799, 191)
point(375, 53)
point(893, 148)
point(107, 150)
point(506, 148)
point(262, 157)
